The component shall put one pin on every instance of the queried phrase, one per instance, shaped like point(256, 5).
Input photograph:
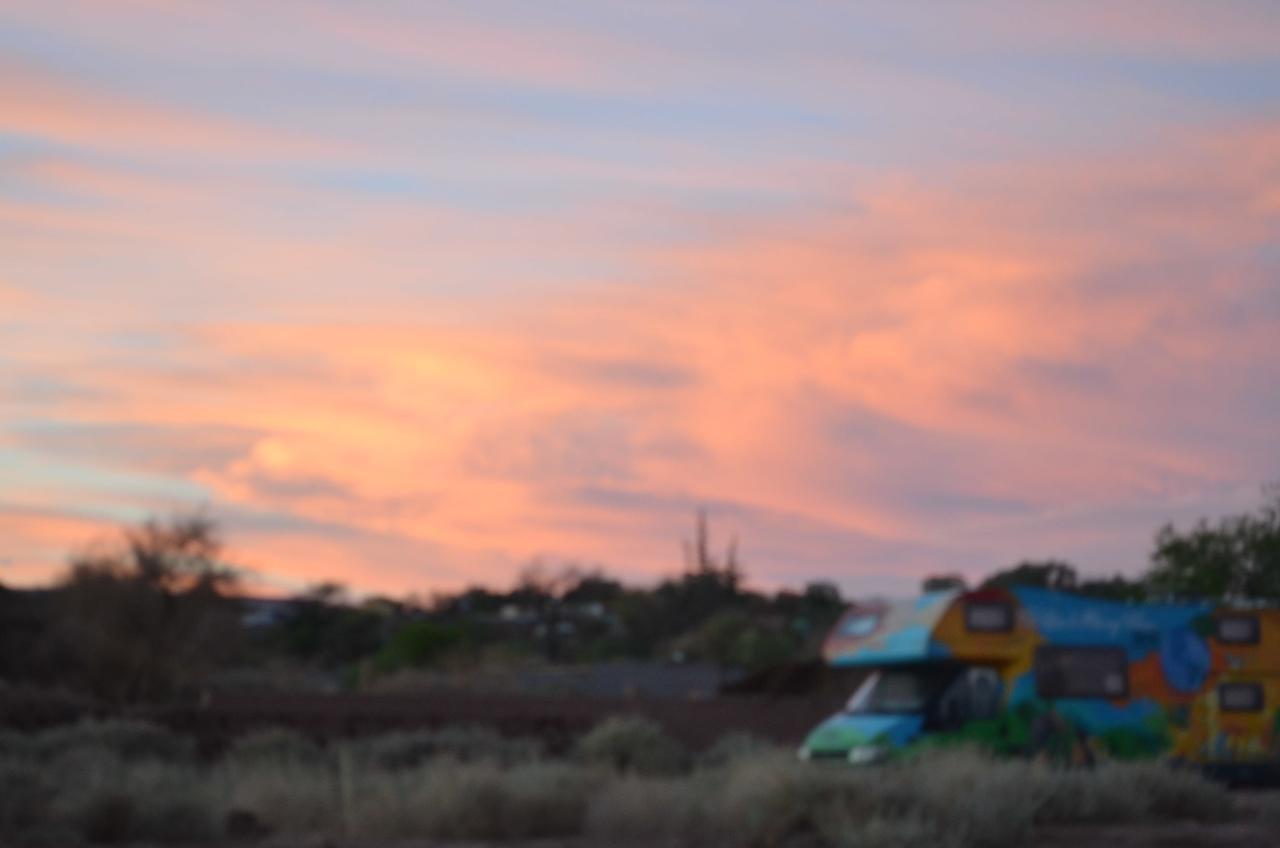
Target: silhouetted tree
point(30, 647)
point(421, 642)
point(709, 583)
point(593, 587)
point(476, 600)
point(1046, 574)
point(1238, 558)
point(809, 612)
point(823, 594)
point(323, 627)
point(700, 562)
point(148, 618)
point(737, 638)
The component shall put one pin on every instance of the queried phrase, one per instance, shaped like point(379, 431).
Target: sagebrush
point(625, 784)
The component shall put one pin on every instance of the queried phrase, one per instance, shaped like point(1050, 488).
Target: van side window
point(1081, 672)
point(1240, 697)
point(975, 694)
point(1238, 630)
point(986, 691)
point(988, 616)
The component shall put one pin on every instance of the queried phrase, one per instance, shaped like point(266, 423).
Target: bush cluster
point(408, 749)
point(275, 745)
point(631, 744)
point(128, 739)
point(627, 783)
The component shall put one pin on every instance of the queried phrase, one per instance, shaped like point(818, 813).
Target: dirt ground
point(1254, 829)
point(1253, 834)
point(1248, 835)
point(1236, 835)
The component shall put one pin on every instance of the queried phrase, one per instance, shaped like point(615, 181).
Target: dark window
point(1240, 697)
point(899, 690)
point(988, 616)
point(1238, 629)
point(1090, 672)
point(975, 694)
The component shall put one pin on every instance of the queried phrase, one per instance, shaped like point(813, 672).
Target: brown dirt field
point(1177, 835)
point(1242, 835)
point(1254, 829)
point(1180, 835)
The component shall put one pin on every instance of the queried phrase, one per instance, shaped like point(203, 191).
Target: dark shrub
point(25, 798)
point(107, 818)
point(128, 739)
point(632, 743)
point(276, 744)
point(734, 746)
point(468, 744)
point(244, 825)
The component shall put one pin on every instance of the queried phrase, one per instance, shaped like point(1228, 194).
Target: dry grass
point(275, 745)
point(60, 794)
point(26, 797)
point(646, 810)
point(450, 800)
point(734, 746)
point(632, 744)
point(1270, 811)
point(124, 738)
point(108, 799)
point(1128, 792)
point(413, 748)
point(285, 797)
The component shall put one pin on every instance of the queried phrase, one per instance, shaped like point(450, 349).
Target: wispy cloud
point(467, 294)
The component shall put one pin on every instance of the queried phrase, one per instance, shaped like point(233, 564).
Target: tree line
point(158, 614)
point(1235, 559)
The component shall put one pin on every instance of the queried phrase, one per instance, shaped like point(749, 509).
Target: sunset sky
point(407, 294)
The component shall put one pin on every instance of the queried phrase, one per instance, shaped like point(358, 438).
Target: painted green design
point(1164, 704)
point(1128, 743)
point(837, 737)
point(1009, 734)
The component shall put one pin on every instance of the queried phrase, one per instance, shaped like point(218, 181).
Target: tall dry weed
point(482, 800)
point(288, 798)
point(1128, 792)
point(635, 809)
point(77, 788)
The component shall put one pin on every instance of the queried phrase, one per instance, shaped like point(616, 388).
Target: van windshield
point(906, 690)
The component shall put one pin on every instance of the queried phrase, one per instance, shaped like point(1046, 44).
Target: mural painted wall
point(1181, 680)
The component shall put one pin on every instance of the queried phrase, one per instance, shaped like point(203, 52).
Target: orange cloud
point(41, 543)
point(929, 376)
point(12, 300)
point(44, 104)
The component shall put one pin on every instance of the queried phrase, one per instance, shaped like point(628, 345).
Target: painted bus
point(1033, 671)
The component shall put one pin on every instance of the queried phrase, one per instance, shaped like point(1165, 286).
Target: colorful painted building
point(1039, 672)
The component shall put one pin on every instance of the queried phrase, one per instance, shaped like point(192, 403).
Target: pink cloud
point(928, 375)
point(42, 103)
point(42, 543)
point(1147, 27)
